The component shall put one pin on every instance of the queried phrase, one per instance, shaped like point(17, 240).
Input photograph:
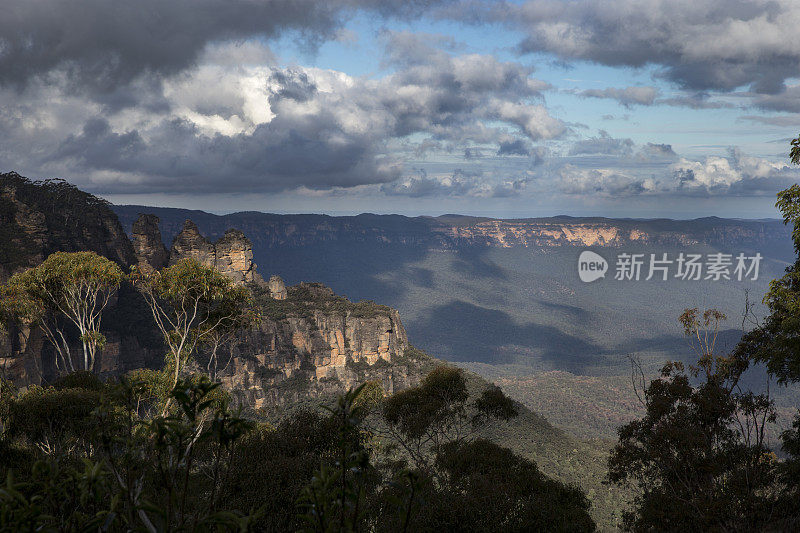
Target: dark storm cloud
point(513, 147)
point(104, 44)
point(101, 46)
point(177, 157)
point(700, 45)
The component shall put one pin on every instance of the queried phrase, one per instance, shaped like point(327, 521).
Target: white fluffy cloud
point(736, 174)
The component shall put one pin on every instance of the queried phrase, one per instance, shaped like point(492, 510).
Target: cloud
point(787, 100)
point(700, 45)
point(602, 182)
point(737, 174)
point(101, 46)
point(628, 96)
point(513, 147)
point(604, 144)
point(694, 101)
point(228, 127)
point(654, 150)
point(772, 120)
point(459, 184)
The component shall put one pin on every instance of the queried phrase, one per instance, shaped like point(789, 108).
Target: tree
point(66, 289)
point(776, 341)
point(437, 412)
point(699, 455)
point(191, 303)
point(489, 488)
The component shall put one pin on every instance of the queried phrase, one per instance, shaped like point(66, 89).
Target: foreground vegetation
point(81, 454)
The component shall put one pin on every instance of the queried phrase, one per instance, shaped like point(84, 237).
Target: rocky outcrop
point(310, 342)
point(151, 253)
point(277, 289)
point(232, 254)
point(234, 257)
point(189, 243)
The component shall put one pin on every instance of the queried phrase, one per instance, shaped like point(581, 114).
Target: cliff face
point(151, 254)
point(39, 218)
point(310, 342)
point(316, 344)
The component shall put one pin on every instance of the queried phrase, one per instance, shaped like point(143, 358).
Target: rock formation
point(232, 254)
point(310, 342)
point(147, 244)
point(277, 289)
point(39, 218)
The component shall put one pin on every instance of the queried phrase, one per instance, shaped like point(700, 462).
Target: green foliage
point(279, 462)
point(776, 342)
point(439, 411)
point(58, 498)
point(699, 455)
point(74, 286)
point(192, 304)
point(334, 500)
point(78, 380)
point(489, 488)
point(56, 419)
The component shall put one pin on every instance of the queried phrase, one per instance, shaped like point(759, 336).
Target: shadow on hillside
point(473, 263)
point(461, 331)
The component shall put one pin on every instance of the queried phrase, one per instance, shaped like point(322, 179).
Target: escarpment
point(38, 218)
point(309, 340)
point(270, 231)
point(314, 342)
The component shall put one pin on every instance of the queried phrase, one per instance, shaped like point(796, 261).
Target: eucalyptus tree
point(68, 290)
point(193, 304)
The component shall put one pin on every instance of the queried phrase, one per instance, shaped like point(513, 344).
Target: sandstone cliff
point(151, 253)
point(314, 342)
point(310, 343)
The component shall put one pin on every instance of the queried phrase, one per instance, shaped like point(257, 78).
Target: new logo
point(591, 266)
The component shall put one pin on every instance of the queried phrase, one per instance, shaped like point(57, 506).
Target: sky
point(625, 108)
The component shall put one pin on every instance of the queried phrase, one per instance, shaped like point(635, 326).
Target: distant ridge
point(452, 230)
